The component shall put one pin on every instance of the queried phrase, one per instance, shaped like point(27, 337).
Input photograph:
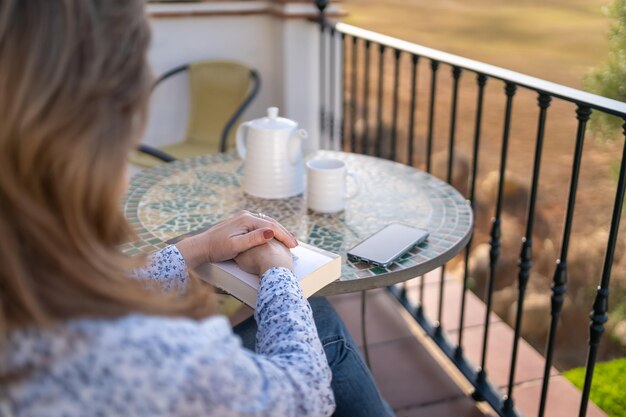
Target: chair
point(219, 93)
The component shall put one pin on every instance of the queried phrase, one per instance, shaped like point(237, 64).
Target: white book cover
point(315, 268)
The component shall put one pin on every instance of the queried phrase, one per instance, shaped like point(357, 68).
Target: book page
point(232, 268)
point(307, 261)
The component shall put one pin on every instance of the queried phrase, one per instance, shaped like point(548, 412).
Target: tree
point(609, 79)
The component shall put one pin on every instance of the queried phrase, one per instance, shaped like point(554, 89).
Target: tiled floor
point(417, 381)
point(410, 378)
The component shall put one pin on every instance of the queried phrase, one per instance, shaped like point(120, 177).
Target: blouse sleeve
point(287, 334)
point(287, 376)
point(202, 369)
point(166, 266)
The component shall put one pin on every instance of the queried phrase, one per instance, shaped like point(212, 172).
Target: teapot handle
point(295, 145)
point(241, 141)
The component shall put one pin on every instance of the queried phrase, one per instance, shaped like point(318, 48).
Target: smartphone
point(388, 244)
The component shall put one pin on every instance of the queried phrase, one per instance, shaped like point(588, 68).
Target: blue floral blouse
point(142, 365)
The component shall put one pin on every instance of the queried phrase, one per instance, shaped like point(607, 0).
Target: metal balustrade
point(347, 51)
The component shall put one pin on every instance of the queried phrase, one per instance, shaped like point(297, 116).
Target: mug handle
point(359, 183)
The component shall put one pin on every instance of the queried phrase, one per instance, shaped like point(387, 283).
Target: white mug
point(326, 185)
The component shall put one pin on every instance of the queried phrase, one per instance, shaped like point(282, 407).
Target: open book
point(315, 268)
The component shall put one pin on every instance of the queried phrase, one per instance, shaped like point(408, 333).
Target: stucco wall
point(280, 43)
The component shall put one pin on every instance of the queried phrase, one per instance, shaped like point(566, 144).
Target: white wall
point(285, 51)
point(301, 69)
point(252, 40)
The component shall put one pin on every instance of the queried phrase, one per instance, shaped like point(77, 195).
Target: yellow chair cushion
point(143, 160)
point(228, 305)
point(216, 90)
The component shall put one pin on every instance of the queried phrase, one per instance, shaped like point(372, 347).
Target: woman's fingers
point(260, 258)
point(241, 233)
point(280, 232)
point(242, 243)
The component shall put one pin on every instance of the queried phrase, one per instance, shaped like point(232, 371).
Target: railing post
point(601, 304)
point(321, 6)
point(560, 274)
point(481, 80)
point(366, 99)
point(353, 95)
point(456, 75)
point(332, 91)
point(434, 66)
point(525, 261)
point(394, 118)
point(413, 107)
point(342, 93)
point(381, 85)
point(494, 241)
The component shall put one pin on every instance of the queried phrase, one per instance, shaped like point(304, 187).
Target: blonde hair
point(74, 83)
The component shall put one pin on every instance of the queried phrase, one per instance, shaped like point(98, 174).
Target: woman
point(87, 331)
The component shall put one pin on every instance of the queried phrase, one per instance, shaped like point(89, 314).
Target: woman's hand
point(231, 237)
point(263, 257)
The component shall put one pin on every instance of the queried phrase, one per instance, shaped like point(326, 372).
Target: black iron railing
point(346, 98)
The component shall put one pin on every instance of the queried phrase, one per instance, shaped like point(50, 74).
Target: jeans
point(355, 391)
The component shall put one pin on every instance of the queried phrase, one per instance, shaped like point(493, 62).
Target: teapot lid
point(273, 122)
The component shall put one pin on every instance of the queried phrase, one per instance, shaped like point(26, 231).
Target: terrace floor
point(417, 380)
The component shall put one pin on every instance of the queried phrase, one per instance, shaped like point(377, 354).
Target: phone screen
point(388, 244)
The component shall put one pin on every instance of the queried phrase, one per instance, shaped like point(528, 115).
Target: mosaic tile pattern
point(173, 199)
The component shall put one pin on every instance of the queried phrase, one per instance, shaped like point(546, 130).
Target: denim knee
point(356, 393)
point(328, 322)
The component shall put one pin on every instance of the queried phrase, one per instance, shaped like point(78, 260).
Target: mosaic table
point(177, 198)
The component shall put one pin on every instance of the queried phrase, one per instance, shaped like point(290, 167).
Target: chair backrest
point(217, 89)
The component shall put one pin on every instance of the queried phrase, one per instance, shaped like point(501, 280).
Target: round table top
point(173, 199)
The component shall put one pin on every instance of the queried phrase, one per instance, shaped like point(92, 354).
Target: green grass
point(607, 390)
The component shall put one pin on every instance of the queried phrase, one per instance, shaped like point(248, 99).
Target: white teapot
point(271, 148)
